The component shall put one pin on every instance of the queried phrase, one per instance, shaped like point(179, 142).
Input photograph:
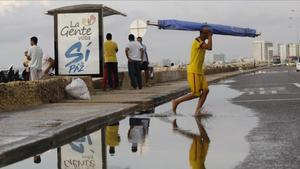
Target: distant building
point(276, 50)
point(219, 58)
point(283, 52)
point(293, 50)
point(262, 51)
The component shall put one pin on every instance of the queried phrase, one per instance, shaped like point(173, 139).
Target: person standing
point(35, 55)
point(26, 72)
point(134, 53)
point(145, 62)
point(111, 63)
point(195, 72)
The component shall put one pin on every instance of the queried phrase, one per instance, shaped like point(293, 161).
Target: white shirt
point(36, 54)
point(136, 134)
point(145, 57)
point(134, 52)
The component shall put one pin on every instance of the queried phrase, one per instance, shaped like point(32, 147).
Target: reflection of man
point(112, 137)
point(37, 159)
point(137, 132)
point(199, 147)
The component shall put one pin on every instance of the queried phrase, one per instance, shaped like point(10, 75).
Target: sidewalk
point(33, 131)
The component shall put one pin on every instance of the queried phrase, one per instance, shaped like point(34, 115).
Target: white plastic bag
point(78, 89)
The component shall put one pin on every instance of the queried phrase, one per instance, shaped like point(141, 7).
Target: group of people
point(139, 130)
point(36, 65)
point(136, 53)
point(137, 56)
point(137, 133)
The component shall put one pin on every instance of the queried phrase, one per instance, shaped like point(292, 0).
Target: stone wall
point(20, 94)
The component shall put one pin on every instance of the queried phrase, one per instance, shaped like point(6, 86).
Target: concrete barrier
point(170, 74)
point(20, 94)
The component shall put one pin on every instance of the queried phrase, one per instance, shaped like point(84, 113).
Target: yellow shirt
point(198, 152)
point(196, 58)
point(112, 137)
point(110, 48)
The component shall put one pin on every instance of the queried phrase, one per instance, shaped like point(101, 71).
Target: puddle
point(159, 139)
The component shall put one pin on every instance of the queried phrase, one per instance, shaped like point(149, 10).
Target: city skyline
point(161, 44)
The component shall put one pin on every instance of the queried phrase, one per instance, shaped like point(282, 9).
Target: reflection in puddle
point(112, 137)
point(199, 146)
point(162, 140)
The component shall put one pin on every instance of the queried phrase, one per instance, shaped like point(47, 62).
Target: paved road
point(275, 95)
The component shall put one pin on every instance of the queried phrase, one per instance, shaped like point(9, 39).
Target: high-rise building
point(262, 51)
point(293, 50)
point(283, 52)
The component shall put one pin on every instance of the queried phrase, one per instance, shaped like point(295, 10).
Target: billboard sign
point(78, 44)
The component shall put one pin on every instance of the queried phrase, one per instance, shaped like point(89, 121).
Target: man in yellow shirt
point(111, 63)
point(195, 72)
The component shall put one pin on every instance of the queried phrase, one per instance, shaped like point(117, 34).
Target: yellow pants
point(197, 82)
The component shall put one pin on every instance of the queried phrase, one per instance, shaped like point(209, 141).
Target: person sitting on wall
point(48, 66)
point(26, 72)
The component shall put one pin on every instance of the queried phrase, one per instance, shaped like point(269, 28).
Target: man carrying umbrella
point(195, 72)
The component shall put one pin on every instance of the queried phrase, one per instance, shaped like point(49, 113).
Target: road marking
point(262, 92)
point(274, 92)
point(297, 84)
point(266, 100)
point(251, 93)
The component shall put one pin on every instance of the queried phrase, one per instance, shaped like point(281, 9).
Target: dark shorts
point(144, 66)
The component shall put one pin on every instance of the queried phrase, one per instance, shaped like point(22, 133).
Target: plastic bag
point(78, 89)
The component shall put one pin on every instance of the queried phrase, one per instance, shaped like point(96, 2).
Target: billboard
point(83, 153)
point(78, 48)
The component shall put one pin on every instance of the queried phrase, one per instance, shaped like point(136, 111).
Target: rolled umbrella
point(172, 24)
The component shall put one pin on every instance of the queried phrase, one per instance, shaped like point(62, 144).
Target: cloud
point(22, 19)
point(11, 5)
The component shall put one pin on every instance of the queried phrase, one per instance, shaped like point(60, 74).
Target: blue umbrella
point(173, 24)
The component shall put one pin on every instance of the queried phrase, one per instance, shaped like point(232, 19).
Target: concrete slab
point(33, 131)
point(147, 97)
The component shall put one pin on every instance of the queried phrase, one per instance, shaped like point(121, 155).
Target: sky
point(20, 20)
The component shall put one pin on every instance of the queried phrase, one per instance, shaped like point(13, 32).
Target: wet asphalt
point(274, 95)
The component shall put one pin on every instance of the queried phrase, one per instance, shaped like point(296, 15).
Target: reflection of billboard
point(78, 44)
point(83, 153)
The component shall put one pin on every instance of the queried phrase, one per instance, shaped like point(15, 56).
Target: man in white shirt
point(145, 62)
point(35, 55)
point(134, 52)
